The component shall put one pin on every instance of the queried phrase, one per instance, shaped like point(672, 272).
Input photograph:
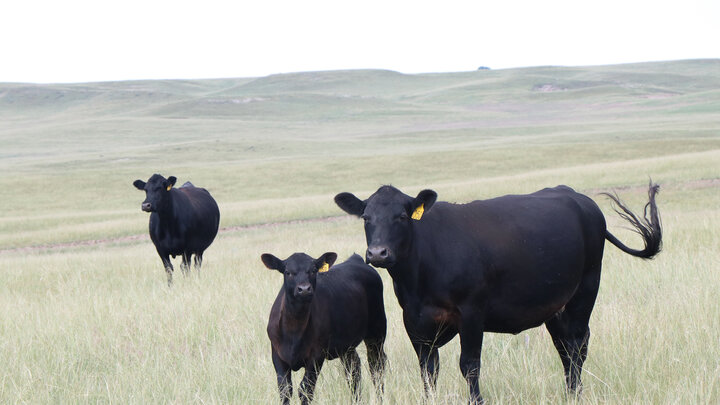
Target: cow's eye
point(364, 217)
point(404, 216)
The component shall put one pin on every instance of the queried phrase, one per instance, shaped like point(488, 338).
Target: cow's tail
point(649, 228)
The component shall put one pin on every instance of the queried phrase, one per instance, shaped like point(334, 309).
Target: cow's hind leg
point(185, 265)
point(376, 361)
point(351, 363)
point(471, 340)
point(198, 261)
point(375, 344)
point(570, 331)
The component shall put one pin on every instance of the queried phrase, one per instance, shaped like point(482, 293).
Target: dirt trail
point(50, 247)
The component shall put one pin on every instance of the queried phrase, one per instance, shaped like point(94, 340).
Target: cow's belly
point(514, 318)
point(532, 287)
point(431, 324)
point(174, 246)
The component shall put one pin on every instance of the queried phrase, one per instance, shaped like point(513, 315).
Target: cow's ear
point(170, 182)
point(272, 262)
point(350, 204)
point(139, 184)
point(324, 262)
point(423, 202)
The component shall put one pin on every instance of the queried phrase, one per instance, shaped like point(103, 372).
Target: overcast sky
point(81, 41)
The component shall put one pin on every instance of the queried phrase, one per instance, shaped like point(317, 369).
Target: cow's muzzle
point(304, 291)
point(147, 207)
point(379, 256)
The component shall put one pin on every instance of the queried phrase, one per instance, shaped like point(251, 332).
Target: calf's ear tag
point(169, 187)
point(418, 213)
point(324, 268)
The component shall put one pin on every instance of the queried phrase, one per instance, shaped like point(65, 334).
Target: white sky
point(82, 40)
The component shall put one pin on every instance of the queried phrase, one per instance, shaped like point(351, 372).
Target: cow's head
point(157, 190)
point(299, 272)
point(389, 215)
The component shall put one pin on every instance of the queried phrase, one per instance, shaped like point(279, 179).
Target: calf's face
point(389, 215)
point(157, 190)
point(299, 272)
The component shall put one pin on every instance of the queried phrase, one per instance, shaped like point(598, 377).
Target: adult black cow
point(183, 220)
point(500, 265)
point(320, 315)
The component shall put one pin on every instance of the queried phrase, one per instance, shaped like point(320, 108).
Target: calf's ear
point(324, 262)
point(422, 203)
point(272, 262)
point(170, 182)
point(350, 204)
point(139, 184)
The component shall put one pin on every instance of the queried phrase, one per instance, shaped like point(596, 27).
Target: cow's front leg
point(307, 386)
point(284, 378)
point(471, 337)
point(168, 267)
point(429, 360)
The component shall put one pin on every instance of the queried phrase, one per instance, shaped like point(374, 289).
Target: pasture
point(86, 315)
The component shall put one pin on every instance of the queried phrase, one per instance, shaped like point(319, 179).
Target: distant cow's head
point(299, 272)
point(388, 216)
point(156, 190)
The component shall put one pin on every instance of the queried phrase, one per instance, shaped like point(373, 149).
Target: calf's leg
point(284, 378)
point(307, 385)
point(351, 363)
point(376, 361)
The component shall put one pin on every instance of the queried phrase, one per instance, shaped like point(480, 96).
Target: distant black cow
point(500, 265)
point(183, 221)
point(324, 316)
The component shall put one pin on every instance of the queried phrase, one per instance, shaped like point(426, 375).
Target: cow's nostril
point(304, 289)
point(378, 253)
point(146, 206)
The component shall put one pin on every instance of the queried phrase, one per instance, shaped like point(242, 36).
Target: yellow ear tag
point(169, 187)
point(324, 268)
point(418, 212)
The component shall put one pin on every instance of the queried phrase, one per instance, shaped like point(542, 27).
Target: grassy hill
point(87, 316)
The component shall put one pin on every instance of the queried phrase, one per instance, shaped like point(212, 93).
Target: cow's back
point(198, 205)
point(491, 227)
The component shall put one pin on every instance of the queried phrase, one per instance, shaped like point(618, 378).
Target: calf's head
point(157, 190)
point(389, 217)
point(299, 272)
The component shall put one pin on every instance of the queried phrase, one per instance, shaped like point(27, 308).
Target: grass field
point(86, 315)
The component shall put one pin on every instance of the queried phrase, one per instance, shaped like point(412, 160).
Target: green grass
point(87, 316)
